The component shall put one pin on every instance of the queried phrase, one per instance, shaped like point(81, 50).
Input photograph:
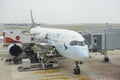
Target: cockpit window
point(78, 43)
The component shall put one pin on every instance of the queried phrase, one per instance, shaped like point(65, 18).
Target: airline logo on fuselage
point(65, 46)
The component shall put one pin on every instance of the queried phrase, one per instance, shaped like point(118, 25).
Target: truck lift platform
point(37, 66)
point(46, 61)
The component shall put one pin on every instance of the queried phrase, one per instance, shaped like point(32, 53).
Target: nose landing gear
point(77, 68)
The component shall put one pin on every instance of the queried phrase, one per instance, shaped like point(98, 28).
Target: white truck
point(14, 39)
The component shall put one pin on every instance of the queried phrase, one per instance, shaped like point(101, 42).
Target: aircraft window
point(79, 43)
point(84, 43)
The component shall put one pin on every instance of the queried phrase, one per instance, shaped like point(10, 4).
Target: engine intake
point(15, 49)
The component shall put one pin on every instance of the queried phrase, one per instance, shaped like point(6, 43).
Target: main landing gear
point(77, 68)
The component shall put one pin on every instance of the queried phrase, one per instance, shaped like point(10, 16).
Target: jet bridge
point(103, 39)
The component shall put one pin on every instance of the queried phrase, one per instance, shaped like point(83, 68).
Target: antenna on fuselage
point(32, 20)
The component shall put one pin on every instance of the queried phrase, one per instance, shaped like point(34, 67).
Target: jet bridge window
point(78, 43)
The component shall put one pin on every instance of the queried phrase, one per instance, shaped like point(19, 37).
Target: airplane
point(68, 43)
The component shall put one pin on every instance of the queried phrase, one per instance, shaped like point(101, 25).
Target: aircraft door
point(97, 42)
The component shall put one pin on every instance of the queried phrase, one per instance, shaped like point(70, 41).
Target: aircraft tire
point(77, 71)
point(106, 59)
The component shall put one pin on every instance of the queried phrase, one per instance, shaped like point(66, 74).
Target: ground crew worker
point(53, 49)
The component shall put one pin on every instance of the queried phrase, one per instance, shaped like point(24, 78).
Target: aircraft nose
point(82, 52)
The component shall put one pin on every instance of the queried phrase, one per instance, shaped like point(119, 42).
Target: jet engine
point(15, 49)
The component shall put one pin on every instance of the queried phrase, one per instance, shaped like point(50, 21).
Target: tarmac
point(93, 68)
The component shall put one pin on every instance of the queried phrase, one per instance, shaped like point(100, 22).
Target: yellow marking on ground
point(47, 71)
point(57, 78)
point(53, 75)
point(81, 77)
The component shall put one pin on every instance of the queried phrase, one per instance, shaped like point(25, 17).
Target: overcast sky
point(60, 11)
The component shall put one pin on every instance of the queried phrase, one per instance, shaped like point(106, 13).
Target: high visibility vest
point(53, 49)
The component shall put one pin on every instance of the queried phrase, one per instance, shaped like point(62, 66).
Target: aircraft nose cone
point(82, 52)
